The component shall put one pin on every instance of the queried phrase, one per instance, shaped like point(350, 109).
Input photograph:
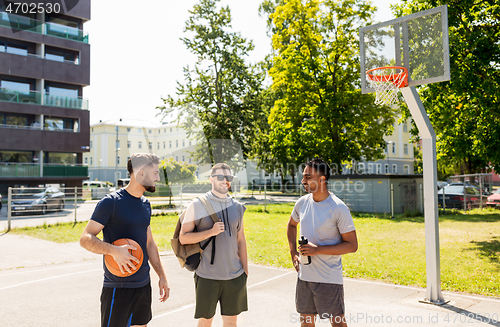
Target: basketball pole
point(419, 115)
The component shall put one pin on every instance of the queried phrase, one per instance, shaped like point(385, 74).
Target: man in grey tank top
point(325, 221)
point(222, 277)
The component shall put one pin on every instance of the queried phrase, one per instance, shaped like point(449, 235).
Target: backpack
point(189, 255)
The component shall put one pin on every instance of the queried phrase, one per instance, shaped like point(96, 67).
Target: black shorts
point(323, 299)
point(123, 307)
point(232, 295)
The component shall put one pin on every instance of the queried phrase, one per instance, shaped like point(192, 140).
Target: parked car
point(485, 189)
point(454, 196)
point(94, 184)
point(30, 200)
point(494, 199)
point(440, 185)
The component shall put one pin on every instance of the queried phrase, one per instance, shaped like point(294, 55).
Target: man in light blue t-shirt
point(325, 221)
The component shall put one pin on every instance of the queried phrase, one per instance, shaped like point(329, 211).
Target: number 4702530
point(33, 8)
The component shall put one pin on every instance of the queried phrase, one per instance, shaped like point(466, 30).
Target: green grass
point(392, 250)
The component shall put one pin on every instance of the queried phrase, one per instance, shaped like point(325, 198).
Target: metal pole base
point(438, 302)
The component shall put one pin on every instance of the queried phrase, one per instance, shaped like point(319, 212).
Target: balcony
point(35, 26)
point(20, 22)
point(20, 97)
point(66, 32)
point(22, 170)
point(66, 102)
point(34, 97)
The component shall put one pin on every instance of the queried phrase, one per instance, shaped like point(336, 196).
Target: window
point(129, 144)
point(15, 86)
point(386, 147)
point(58, 91)
point(149, 131)
point(150, 145)
point(370, 168)
point(361, 168)
point(164, 144)
point(118, 160)
point(394, 169)
point(387, 168)
point(405, 127)
point(140, 145)
point(85, 161)
point(91, 160)
point(183, 144)
point(183, 159)
point(164, 130)
point(176, 143)
point(118, 174)
point(170, 144)
point(159, 131)
point(139, 130)
point(176, 158)
point(405, 149)
point(128, 129)
point(379, 168)
point(406, 169)
point(158, 145)
point(189, 143)
point(393, 147)
point(170, 128)
point(90, 144)
point(190, 160)
point(61, 55)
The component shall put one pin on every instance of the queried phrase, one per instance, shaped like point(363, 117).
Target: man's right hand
point(296, 260)
point(217, 228)
point(124, 259)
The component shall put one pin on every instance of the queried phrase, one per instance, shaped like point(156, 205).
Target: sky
point(137, 56)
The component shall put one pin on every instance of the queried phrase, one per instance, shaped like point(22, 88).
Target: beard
point(149, 185)
point(220, 189)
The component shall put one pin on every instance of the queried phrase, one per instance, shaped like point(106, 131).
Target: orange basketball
point(113, 266)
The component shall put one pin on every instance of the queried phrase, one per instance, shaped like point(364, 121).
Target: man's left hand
point(164, 290)
point(308, 249)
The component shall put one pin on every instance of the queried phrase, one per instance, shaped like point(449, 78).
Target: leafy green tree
point(315, 70)
point(176, 172)
point(465, 111)
point(219, 97)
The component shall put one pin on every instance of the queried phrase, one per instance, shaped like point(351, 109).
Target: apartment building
point(44, 121)
point(112, 143)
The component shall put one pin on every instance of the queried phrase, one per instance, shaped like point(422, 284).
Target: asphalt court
point(48, 284)
point(67, 294)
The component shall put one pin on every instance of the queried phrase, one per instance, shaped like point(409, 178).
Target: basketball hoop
point(386, 81)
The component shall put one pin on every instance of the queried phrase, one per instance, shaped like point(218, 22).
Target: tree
point(218, 98)
point(315, 70)
point(176, 172)
point(465, 111)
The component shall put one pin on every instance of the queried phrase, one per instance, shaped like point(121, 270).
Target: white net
point(386, 82)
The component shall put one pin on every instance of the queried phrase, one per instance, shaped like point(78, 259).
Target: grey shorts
point(324, 299)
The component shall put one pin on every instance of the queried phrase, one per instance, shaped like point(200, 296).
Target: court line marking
point(187, 306)
point(94, 261)
point(48, 278)
point(46, 269)
point(422, 289)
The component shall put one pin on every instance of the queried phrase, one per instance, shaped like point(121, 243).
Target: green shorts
point(232, 295)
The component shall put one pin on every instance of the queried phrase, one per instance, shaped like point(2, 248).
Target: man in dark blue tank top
point(126, 213)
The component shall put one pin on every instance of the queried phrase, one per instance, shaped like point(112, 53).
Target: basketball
point(113, 266)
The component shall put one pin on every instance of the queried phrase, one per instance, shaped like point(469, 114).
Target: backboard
point(419, 42)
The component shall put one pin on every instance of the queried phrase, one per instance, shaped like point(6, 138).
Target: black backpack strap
point(210, 209)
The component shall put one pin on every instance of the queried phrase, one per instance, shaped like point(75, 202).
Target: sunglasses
point(220, 178)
